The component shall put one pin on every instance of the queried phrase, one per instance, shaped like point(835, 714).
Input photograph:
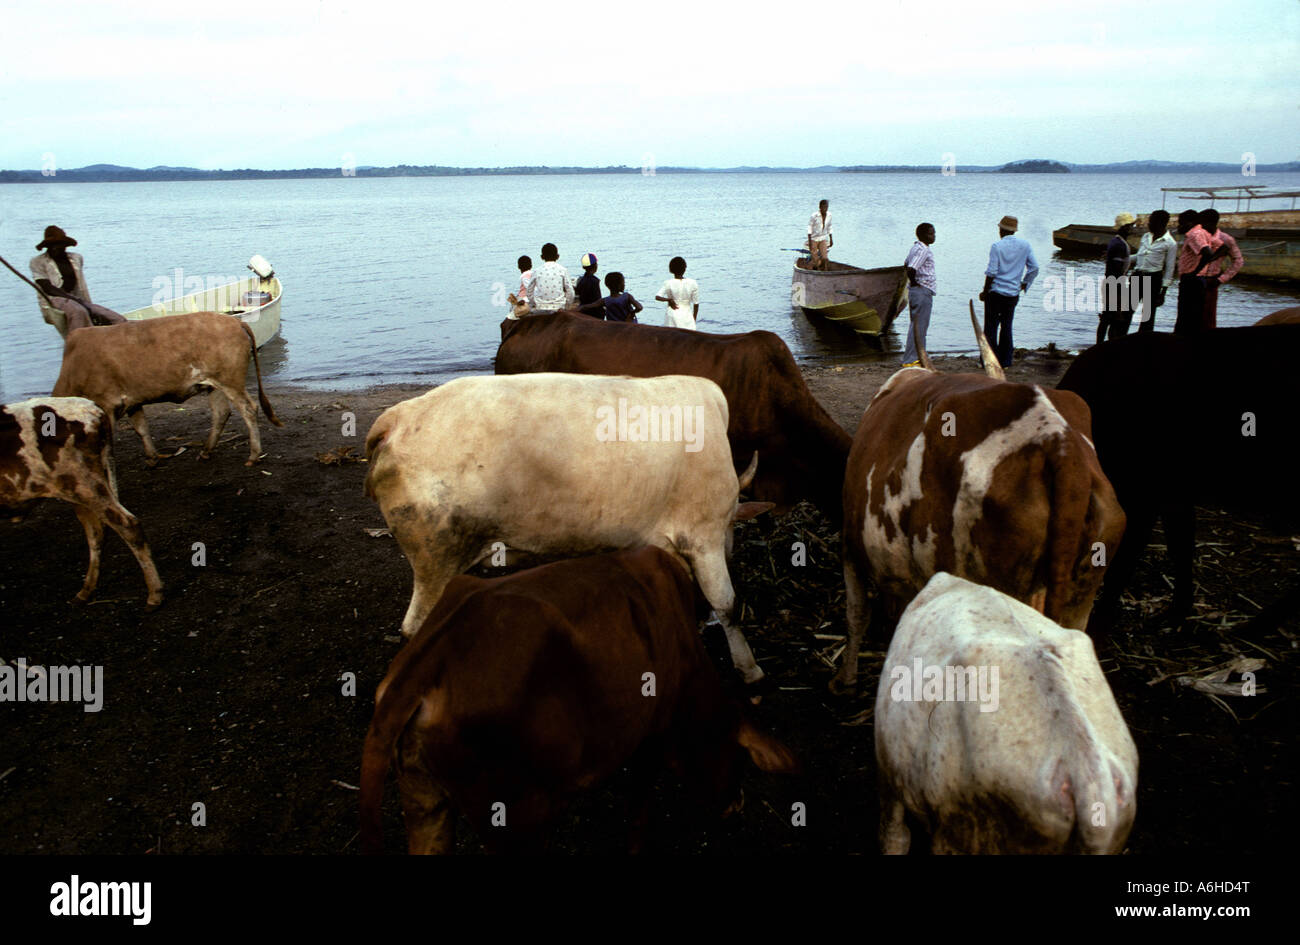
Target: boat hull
point(263, 320)
point(864, 300)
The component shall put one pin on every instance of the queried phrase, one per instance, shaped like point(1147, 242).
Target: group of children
point(549, 290)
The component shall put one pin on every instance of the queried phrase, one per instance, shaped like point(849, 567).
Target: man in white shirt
point(550, 289)
point(1153, 269)
point(820, 239)
point(920, 293)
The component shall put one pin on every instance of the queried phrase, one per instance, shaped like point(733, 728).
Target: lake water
point(395, 279)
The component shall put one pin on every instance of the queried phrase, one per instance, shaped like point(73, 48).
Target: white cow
point(561, 464)
point(996, 731)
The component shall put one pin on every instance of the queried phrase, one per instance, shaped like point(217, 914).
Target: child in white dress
point(682, 296)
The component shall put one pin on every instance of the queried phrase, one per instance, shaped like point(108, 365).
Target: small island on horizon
point(115, 173)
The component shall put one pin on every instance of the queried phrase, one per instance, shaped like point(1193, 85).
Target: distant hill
point(1034, 167)
point(110, 173)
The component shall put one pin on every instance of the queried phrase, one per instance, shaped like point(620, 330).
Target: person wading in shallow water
point(820, 239)
point(61, 270)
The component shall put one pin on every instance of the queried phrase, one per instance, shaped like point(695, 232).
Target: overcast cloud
point(299, 84)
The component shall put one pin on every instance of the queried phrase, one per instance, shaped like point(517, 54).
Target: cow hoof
point(152, 605)
point(82, 597)
point(151, 461)
point(204, 454)
point(839, 687)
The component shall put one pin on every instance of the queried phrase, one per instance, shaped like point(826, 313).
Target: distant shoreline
point(112, 173)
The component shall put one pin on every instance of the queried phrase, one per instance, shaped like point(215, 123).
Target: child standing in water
point(682, 296)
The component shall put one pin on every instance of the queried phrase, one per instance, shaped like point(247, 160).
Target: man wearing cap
point(1011, 270)
point(1116, 311)
point(62, 270)
point(588, 287)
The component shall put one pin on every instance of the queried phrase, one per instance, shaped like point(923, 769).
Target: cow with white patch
point(62, 448)
point(169, 359)
point(562, 465)
point(1034, 758)
point(990, 480)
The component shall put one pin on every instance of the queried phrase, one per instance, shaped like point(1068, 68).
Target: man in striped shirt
point(921, 287)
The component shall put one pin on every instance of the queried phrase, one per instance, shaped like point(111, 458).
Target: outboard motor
point(256, 299)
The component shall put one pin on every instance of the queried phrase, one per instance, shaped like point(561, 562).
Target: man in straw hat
point(62, 270)
point(1011, 270)
point(1116, 308)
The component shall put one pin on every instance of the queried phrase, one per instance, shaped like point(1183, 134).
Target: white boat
point(255, 300)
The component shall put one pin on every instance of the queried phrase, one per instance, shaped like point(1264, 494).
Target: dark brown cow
point(62, 448)
point(167, 359)
point(520, 692)
point(771, 409)
point(989, 480)
point(1283, 316)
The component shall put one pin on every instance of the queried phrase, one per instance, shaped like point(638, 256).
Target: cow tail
point(376, 758)
point(1067, 521)
point(1094, 786)
point(257, 367)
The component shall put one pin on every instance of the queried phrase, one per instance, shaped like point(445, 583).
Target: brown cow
point(1283, 316)
point(62, 448)
point(992, 481)
point(772, 412)
point(168, 359)
point(520, 692)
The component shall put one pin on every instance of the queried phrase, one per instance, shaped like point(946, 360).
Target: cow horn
point(992, 367)
point(748, 475)
point(921, 354)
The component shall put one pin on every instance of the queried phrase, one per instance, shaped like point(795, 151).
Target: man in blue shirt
point(1011, 270)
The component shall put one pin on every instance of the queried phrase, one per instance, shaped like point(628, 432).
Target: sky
point(320, 83)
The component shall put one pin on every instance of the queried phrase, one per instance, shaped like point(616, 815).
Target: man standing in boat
point(920, 292)
point(820, 239)
point(62, 270)
point(1012, 268)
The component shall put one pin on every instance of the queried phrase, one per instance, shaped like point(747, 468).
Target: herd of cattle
point(981, 518)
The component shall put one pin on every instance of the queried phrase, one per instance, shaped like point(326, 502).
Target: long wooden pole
point(25, 279)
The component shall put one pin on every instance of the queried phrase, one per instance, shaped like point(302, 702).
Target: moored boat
point(865, 300)
point(255, 300)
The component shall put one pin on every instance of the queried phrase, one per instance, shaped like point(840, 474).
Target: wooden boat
point(864, 300)
point(254, 299)
point(1271, 253)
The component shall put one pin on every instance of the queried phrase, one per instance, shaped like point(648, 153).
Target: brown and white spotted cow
point(62, 448)
point(521, 692)
point(997, 732)
point(993, 481)
point(167, 360)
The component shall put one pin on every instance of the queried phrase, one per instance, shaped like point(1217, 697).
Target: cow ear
point(766, 752)
point(748, 510)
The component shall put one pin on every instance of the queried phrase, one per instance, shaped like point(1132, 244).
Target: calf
point(521, 692)
point(993, 481)
point(62, 448)
point(167, 359)
point(771, 410)
point(996, 730)
point(528, 462)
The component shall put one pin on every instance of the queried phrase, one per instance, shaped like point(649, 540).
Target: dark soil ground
point(232, 695)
